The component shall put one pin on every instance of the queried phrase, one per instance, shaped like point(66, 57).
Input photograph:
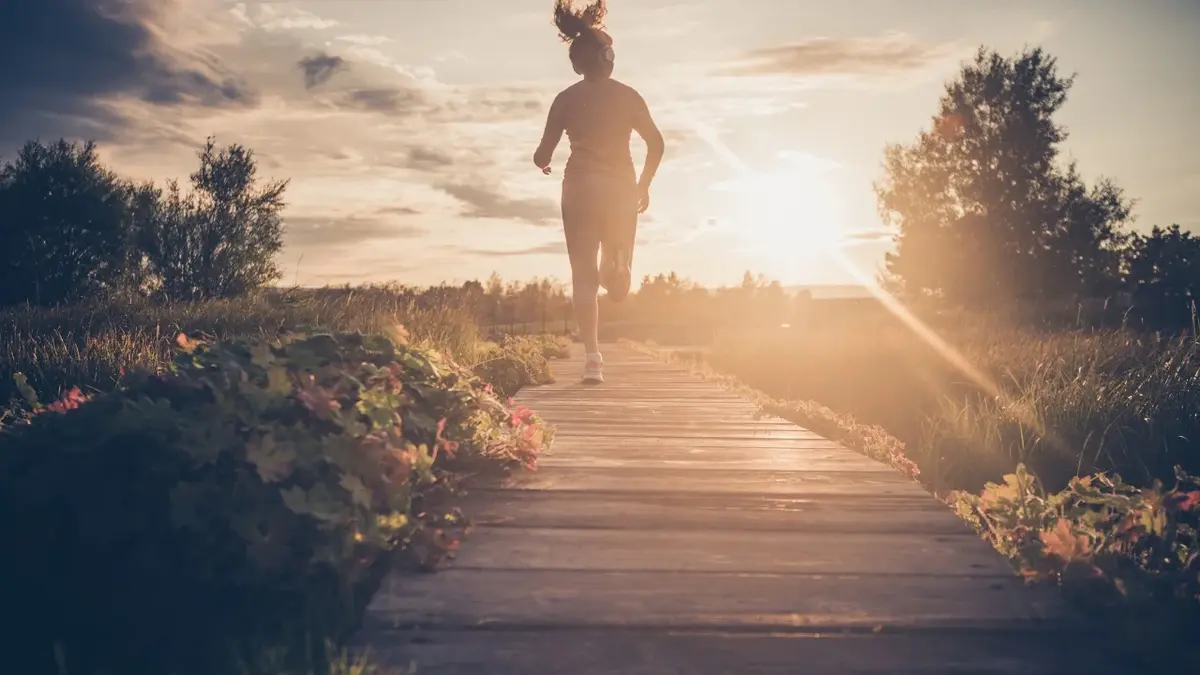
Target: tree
point(219, 241)
point(983, 209)
point(65, 225)
point(1164, 274)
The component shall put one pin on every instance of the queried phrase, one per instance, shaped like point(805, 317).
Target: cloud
point(365, 40)
point(323, 233)
point(546, 248)
point(318, 68)
point(421, 157)
point(284, 17)
point(482, 201)
point(885, 55)
point(65, 58)
point(390, 100)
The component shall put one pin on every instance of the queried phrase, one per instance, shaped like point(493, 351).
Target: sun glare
point(785, 217)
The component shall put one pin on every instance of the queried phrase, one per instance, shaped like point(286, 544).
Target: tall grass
point(1063, 403)
point(90, 345)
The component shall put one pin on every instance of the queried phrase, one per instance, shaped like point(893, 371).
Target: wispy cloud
point(284, 17)
point(341, 231)
point(545, 248)
point(365, 40)
point(884, 55)
point(481, 200)
point(318, 68)
point(384, 100)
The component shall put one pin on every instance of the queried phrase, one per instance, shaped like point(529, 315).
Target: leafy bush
point(1134, 543)
point(89, 345)
point(1129, 554)
point(517, 362)
point(248, 499)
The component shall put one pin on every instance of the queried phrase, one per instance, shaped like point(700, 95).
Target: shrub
point(1128, 554)
point(1129, 542)
point(250, 498)
point(517, 362)
point(89, 345)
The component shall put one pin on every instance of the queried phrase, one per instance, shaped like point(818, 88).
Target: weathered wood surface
point(672, 531)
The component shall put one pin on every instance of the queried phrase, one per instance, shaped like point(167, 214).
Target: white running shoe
point(593, 369)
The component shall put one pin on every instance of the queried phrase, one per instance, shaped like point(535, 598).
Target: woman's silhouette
point(601, 193)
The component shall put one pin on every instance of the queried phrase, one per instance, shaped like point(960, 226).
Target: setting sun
point(785, 217)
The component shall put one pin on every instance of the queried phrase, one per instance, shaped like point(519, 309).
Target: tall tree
point(65, 225)
point(1164, 274)
point(983, 208)
point(221, 240)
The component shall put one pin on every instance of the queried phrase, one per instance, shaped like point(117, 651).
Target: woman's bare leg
point(584, 289)
point(581, 226)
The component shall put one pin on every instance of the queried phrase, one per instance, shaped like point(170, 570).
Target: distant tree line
point(987, 215)
point(72, 230)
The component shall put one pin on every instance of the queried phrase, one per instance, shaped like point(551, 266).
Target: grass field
point(981, 395)
point(89, 346)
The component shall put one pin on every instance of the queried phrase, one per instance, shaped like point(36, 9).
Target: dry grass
point(89, 346)
point(1063, 403)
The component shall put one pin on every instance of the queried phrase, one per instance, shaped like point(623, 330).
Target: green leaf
point(358, 492)
point(27, 391)
point(272, 460)
point(295, 498)
point(278, 380)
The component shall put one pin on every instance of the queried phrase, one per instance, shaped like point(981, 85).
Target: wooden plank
point(643, 652)
point(569, 388)
point(846, 483)
point(814, 456)
point(570, 379)
point(614, 376)
point(695, 410)
point(639, 410)
point(688, 511)
point(529, 598)
point(715, 446)
point(639, 463)
point(730, 551)
point(632, 402)
point(726, 431)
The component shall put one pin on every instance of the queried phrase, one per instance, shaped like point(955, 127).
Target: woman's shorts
point(597, 210)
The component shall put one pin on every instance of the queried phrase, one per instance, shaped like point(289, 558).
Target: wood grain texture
point(728, 552)
point(524, 597)
point(720, 513)
point(648, 652)
point(673, 529)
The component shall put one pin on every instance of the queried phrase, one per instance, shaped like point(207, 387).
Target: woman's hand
point(643, 199)
point(546, 170)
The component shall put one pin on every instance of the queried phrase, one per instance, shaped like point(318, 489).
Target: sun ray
point(891, 303)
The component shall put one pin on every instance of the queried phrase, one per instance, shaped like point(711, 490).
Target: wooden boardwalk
point(671, 532)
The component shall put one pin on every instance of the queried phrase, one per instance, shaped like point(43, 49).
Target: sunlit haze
point(406, 126)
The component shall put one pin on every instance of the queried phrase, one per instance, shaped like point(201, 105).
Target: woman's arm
point(643, 124)
point(555, 126)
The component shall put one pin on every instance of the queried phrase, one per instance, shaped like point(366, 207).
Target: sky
point(406, 127)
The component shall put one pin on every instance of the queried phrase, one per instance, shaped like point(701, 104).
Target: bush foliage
point(250, 496)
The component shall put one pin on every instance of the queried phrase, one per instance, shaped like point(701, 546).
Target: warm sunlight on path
point(671, 532)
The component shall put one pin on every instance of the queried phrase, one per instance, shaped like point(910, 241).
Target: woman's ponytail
point(573, 23)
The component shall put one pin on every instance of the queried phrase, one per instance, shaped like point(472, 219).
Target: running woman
point(601, 193)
